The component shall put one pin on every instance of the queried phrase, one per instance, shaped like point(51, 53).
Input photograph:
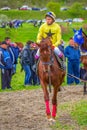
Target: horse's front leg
point(46, 99)
point(54, 102)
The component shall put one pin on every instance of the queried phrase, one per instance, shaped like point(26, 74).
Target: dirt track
point(25, 110)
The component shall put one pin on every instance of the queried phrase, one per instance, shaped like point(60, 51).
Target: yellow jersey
point(53, 31)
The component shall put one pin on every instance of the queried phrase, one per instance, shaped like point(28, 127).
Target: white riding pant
point(56, 51)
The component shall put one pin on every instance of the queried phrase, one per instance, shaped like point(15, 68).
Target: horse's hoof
point(52, 120)
point(48, 116)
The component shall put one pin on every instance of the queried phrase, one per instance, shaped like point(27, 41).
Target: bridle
point(49, 64)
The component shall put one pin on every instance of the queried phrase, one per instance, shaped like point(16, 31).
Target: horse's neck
point(84, 45)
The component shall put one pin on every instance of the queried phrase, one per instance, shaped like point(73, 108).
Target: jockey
point(52, 30)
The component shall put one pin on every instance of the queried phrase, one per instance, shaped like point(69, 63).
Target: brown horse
point(84, 58)
point(50, 73)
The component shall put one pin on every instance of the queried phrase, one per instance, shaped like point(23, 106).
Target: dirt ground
point(25, 110)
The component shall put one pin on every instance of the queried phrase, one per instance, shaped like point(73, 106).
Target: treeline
point(37, 3)
point(74, 10)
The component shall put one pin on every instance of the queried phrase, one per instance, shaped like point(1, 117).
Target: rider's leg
point(61, 56)
point(58, 52)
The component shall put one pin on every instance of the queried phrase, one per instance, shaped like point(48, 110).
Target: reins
point(68, 73)
point(71, 74)
point(48, 70)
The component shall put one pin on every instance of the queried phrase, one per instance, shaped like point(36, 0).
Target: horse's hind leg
point(54, 103)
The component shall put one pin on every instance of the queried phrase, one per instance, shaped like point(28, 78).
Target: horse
point(49, 73)
point(81, 38)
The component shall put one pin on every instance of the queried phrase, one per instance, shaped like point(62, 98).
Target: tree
point(54, 6)
point(76, 9)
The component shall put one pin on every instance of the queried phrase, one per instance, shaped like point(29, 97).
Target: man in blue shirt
point(72, 53)
point(5, 65)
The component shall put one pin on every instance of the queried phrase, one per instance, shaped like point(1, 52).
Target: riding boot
point(62, 60)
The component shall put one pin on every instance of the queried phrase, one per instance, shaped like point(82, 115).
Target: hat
point(4, 42)
point(51, 14)
point(78, 37)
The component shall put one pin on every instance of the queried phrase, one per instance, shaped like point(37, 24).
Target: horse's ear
point(74, 30)
point(80, 30)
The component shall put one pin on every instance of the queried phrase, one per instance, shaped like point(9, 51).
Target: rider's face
point(49, 20)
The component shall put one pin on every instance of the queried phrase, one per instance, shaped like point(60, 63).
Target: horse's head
point(45, 48)
point(78, 36)
point(47, 41)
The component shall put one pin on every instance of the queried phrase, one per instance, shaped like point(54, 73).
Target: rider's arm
point(59, 35)
point(40, 34)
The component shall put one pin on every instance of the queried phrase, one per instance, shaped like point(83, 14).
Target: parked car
point(5, 8)
point(43, 9)
point(68, 20)
point(84, 8)
point(35, 8)
point(59, 20)
point(78, 20)
point(25, 7)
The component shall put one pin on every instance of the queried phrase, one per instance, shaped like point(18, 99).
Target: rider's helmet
point(51, 14)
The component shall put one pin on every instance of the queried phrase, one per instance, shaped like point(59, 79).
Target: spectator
point(5, 65)
point(25, 60)
point(14, 52)
point(34, 78)
point(72, 52)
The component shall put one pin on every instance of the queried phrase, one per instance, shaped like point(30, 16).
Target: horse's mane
point(84, 33)
point(84, 45)
point(46, 41)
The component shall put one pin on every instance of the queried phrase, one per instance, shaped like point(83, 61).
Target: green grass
point(22, 34)
point(25, 15)
point(77, 113)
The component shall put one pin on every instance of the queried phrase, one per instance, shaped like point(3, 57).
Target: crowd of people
point(9, 54)
point(8, 59)
point(11, 24)
point(28, 55)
